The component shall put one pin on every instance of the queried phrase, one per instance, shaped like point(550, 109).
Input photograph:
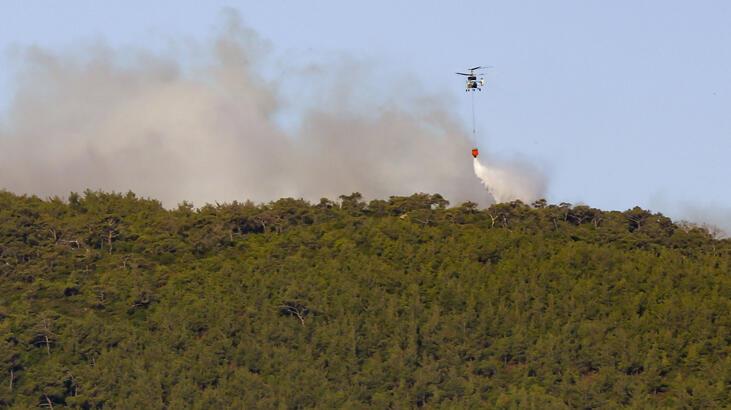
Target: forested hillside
point(112, 301)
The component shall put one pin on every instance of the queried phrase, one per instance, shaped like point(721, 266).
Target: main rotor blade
point(463, 74)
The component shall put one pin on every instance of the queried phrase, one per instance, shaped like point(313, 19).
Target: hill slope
point(111, 301)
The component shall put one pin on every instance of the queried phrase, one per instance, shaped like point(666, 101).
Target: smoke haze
point(207, 132)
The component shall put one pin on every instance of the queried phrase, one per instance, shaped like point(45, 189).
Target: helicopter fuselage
point(473, 83)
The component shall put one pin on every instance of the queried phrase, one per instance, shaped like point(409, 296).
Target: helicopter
point(473, 83)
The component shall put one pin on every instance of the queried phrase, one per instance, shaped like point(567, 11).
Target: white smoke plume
point(715, 219)
point(206, 131)
point(510, 181)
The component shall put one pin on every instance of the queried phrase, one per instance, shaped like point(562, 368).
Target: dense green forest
point(113, 301)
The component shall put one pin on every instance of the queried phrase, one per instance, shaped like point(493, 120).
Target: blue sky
point(623, 103)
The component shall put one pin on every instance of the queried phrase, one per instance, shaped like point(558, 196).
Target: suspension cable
point(474, 136)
